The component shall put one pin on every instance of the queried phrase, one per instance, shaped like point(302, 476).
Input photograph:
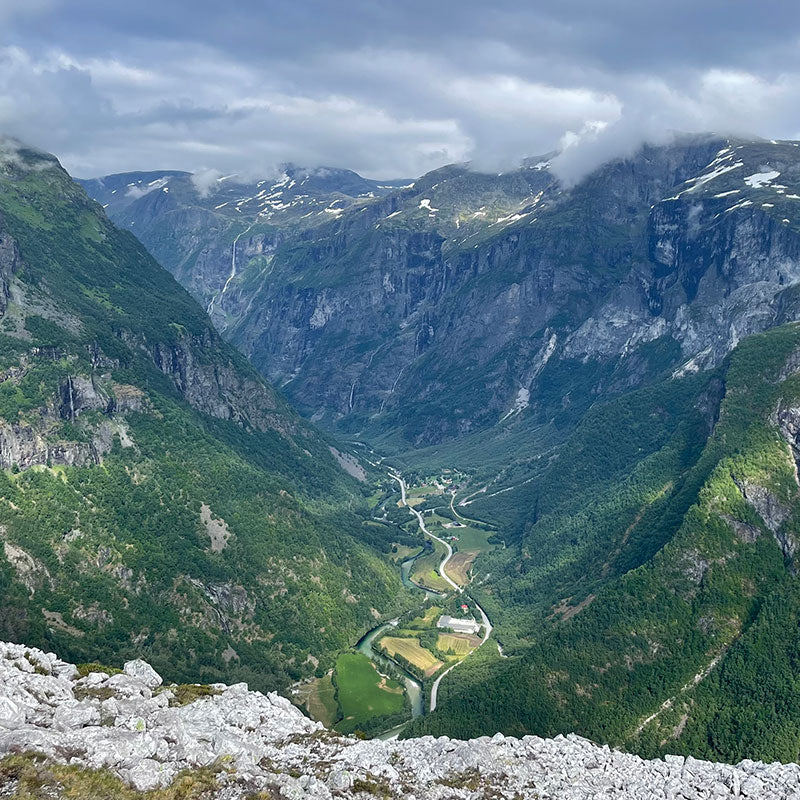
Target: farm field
point(413, 652)
point(470, 538)
point(363, 693)
point(471, 542)
point(319, 699)
point(460, 644)
point(423, 491)
point(459, 565)
point(425, 569)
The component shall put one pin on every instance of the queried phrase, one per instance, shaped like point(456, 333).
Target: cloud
point(212, 89)
point(733, 103)
point(11, 10)
point(206, 180)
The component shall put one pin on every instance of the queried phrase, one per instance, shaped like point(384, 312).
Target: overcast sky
point(390, 88)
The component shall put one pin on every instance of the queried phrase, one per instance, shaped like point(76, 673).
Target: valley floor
point(417, 651)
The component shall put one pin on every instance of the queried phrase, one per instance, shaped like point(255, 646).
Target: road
point(448, 549)
point(487, 625)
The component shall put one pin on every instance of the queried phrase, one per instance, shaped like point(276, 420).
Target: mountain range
point(611, 365)
point(442, 309)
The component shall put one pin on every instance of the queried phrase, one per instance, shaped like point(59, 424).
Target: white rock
point(143, 672)
point(269, 744)
point(79, 715)
point(12, 714)
point(128, 686)
point(93, 679)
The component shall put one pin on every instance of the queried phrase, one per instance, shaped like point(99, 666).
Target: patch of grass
point(36, 778)
point(185, 693)
point(427, 620)
point(373, 787)
point(95, 692)
point(94, 666)
point(363, 693)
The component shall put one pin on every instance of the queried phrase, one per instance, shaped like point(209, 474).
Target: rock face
point(460, 300)
point(131, 725)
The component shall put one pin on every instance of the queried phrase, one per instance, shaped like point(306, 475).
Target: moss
point(96, 692)
point(185, 693)
point(31, 776)
point(94, 666)
point(469, 779)
point(373, 787)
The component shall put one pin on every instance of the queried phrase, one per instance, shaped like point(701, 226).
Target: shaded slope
point(156, 496)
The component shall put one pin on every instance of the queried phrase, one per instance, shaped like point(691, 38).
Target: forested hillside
point(157, 497)
point(657, 566)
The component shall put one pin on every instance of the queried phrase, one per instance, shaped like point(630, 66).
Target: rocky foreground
point(131, 728)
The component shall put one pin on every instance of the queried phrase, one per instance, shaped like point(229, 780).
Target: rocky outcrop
point(83, 393)
point(774, 513)
point(24, 445)
point(137, 728)
point(38, 438)
point(218, 387)
point(9, 263)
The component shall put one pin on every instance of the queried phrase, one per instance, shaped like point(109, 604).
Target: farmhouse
point(458, 625)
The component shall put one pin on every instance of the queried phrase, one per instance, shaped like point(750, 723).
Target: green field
point(425, 569)
point(363, 693)
point(422, 491)
point(434, 521)
point(470, 538)
point(427, 620)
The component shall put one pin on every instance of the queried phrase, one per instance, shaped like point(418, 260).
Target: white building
point(458, 625)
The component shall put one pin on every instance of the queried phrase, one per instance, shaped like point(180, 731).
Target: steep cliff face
point(442, 333)
point(156, 494)
point(723, 259)
point(443, 307)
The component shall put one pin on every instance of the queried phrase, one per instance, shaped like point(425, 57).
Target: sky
point(389, 88)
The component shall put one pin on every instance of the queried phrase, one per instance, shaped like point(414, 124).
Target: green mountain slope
point(652, 602)
point(157, 497)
